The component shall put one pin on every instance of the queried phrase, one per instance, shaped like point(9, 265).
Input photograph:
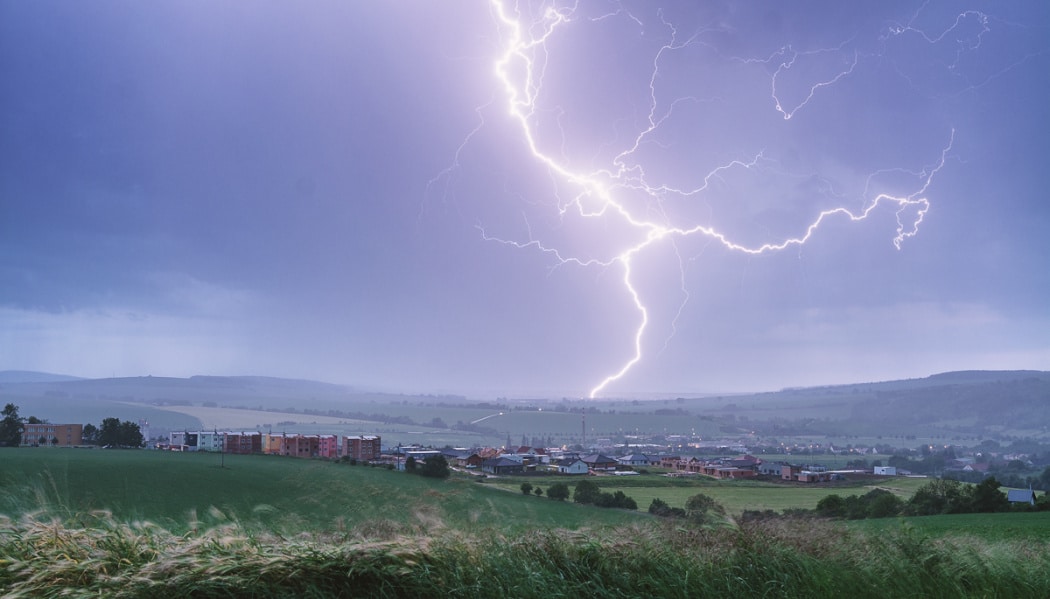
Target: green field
point(1027, 526)
point(736, 496)
point(262, 526)
point(272, 492)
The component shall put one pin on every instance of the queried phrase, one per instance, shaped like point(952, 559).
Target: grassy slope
point(272, 492)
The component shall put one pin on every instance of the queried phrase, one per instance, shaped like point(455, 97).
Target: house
point(1021, 496)
point(599, 462)
point(52, 435)
point(746, 462)
point(635, 459)
point(502, 465)
point(469, 460)
point(670, 461)
point(885, 471)
point(770, 468)
point(573, 467)
point(809, 476)
point(730, 472)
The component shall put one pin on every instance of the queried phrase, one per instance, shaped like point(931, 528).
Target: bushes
point(558, 492)
point(939, 496)
point(588, 492)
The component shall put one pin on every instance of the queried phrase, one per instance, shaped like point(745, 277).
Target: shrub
point(586, 492)
point(558, 492)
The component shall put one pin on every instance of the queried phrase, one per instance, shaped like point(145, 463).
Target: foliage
point(586, 492)
point(659, 507)
point(939, 496)
point(558, 492)
point(90, 434)
point(435, 466)
point(526, 488)
point(11, 427)
point(114, 433)
point(832, 506)
point(538, 492)
point(702, 509)
point(986, 497)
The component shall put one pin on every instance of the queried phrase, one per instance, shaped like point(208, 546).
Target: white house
point(635, 459)
point(573, 467)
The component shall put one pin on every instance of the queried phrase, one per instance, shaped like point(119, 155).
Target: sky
point(610, 199)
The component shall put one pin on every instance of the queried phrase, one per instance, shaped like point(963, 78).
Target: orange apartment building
point(53, 435)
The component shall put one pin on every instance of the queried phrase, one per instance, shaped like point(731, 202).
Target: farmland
point(181, 525)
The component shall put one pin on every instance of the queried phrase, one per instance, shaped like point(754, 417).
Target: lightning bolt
point(622, 192)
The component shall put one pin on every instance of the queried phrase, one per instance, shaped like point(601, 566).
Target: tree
point(883, 504)
point(538, 492)
point(90, 434)
point(558, 492)
point(435, 466)
point(114, 433)
point(988, 498)
point(526, 488)
point(586, 492)
point(703, 509)
point(131, 434)
point(939, 496)
point(11, 426)
point(832, 506)
point(410, 464)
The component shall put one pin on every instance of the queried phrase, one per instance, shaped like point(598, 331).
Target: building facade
point(53, 435)
point(361, 447)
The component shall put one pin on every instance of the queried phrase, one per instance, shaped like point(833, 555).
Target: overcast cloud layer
point(344, 191)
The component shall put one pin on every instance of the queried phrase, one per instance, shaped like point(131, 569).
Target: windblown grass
point(780, 558)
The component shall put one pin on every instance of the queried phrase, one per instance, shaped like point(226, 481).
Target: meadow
point(735, 495)
point(182, 491)
point(131, 524)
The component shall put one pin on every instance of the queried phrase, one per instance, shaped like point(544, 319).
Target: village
point(521, 460)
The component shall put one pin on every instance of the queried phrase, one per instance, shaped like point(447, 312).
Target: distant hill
point(29, 376)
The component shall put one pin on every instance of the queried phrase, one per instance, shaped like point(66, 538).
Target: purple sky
point(448, 197)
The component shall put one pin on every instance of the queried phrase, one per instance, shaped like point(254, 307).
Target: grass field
point(261, 526)
point(271, 492)
point(736, 496)
point(1011, 526)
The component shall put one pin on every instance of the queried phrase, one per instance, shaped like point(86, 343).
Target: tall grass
point(98, 555)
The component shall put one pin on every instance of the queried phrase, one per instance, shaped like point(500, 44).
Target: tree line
point(111, 432)
point(939, 496)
